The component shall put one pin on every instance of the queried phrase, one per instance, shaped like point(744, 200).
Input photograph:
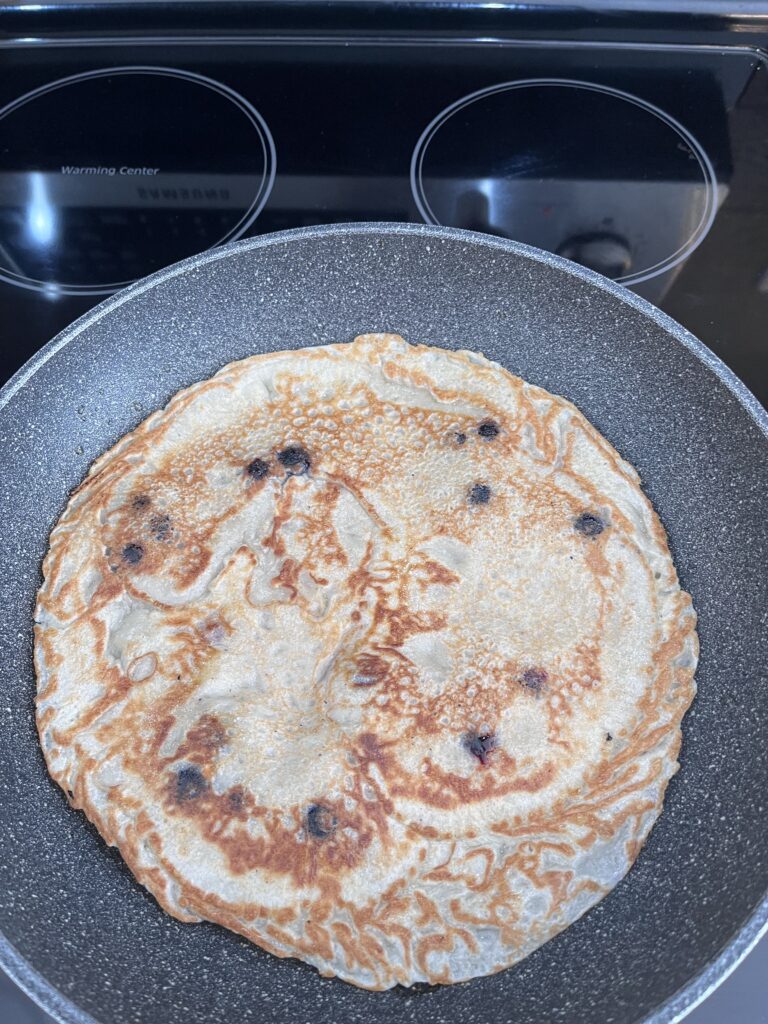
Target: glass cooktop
point(646, 164)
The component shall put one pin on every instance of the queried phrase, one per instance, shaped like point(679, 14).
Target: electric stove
point(631, 138)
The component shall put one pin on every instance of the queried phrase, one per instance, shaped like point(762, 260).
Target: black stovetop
point(645, 160)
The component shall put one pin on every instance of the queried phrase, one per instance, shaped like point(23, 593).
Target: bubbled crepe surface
point(227, 658)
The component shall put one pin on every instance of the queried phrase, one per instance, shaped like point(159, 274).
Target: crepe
point(373, 653)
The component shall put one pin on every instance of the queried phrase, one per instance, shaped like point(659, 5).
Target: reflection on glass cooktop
point(109, 175)
point(590, 172)
point(640, 163)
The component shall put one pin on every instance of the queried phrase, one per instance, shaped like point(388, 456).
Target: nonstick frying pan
point(88, 942)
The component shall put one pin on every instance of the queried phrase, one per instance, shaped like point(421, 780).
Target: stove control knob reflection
point(601, 251)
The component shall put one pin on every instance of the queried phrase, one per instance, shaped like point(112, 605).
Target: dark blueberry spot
point(459, 437)
point(589, 524)
point(190, 783)
point(141, 501)
point(295, 458)
point(479, 744)
point(488, 429)
point(534, 679)
point(160, 527)
point(479, 494)
point(321, 821)
point(236, 799)
point(133, 553)
point(257, 469)
point(608, 737)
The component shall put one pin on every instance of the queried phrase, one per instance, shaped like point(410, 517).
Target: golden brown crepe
point(373, 653)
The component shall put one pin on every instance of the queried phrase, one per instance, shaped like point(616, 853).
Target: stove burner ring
point(687, 139)
point(54, 289)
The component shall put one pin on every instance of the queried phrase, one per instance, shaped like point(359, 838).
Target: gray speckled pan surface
point(85, 940)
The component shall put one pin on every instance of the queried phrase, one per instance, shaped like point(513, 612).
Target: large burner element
point(591, 172)
point(111, 174)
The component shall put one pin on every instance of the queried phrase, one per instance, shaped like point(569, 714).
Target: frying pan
point(89, 943)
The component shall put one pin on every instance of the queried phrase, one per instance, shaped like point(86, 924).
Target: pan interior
point(69, 906)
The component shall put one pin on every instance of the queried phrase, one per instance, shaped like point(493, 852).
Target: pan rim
point(698, 988)
point(705, 355)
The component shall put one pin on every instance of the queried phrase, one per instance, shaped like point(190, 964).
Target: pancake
point(373, 653)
